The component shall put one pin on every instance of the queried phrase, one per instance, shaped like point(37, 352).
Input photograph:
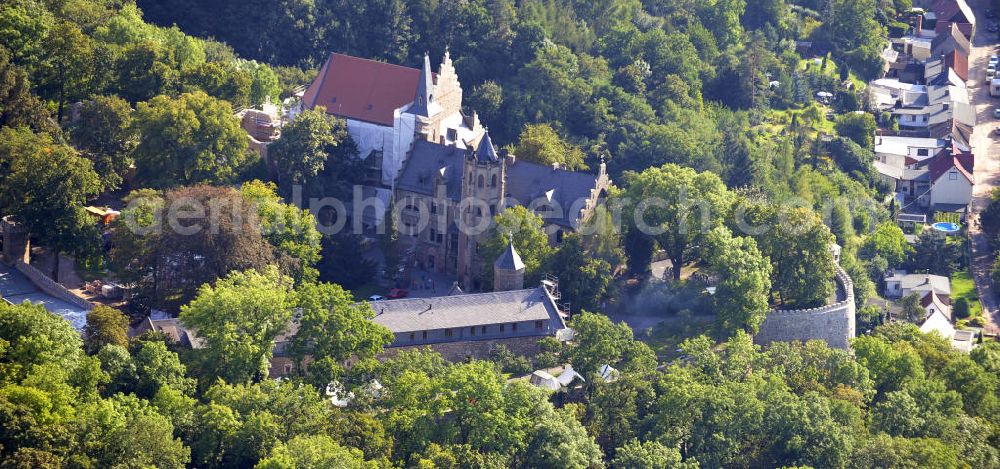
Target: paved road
point(16, 288)
point(987, 153)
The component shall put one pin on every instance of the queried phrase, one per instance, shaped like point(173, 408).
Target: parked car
point(397, 293)
point(996, 130)
point(376, 298)
point(996, 113)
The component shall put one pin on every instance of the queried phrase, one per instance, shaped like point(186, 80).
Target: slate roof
point(422, 100)
point(486, 152)
point(509, 259)
point(430, 164)
point(944, 69)
point(527, 182)
point(952, 39)
point(362, 89)
point(478, 309)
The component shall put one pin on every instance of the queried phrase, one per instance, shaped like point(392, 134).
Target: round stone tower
point(508, 270)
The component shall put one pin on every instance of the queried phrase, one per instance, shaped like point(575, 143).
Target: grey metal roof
point(478, 309)
point(527, 182)
point(509, 259)
point(431, 164)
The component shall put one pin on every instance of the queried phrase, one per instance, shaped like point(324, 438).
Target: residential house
point(939, 320)
point(901, 284)
point(946, 15)
point(942, 182)
point(904, 151)
point(933, 111)
point(951, 181)
point(950, 39)
point(949, 68)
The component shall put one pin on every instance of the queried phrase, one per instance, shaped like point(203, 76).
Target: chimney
point(920, 24)
point(511, 158)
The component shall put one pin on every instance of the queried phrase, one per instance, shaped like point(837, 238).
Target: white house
point(951, 182)
point(901, 151)
point(901, 284)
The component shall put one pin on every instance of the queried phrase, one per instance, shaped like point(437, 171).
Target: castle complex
point(437, 163)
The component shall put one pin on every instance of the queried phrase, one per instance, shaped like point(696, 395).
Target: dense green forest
point(714, 98)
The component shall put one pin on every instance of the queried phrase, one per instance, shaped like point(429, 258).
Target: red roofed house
point(949, 12)
point(950, 176)
point(959, 62)
point(388, 107)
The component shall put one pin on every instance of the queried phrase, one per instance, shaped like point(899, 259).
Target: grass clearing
point(962, 286)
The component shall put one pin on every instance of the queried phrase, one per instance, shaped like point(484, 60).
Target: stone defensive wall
point(478, 349)
point(833, 323)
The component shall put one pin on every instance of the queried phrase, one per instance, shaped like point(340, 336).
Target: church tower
point(508, 270)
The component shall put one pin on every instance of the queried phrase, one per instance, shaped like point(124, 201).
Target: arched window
point(493, 181)
point(482, 181)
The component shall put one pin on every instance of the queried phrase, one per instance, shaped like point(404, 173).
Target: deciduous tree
point(190, 139)
point(332, 329)
point(676, 206)
point(741, 297)
point(105, 325)
point(238, 319)
point(45, 185)
point(540, 143)
point(104, 134)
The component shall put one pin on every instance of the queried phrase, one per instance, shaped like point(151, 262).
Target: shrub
point(510, 362)
point(961, 308)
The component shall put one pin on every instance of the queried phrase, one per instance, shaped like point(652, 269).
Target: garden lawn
point(962, 286)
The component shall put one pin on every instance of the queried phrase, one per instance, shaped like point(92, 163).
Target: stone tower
point(15, 245)
point(508, 270)
point(482, 198)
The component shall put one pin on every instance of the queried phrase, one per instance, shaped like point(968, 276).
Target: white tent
point(544, 380)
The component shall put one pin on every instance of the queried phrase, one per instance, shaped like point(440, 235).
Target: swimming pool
point(946, 227)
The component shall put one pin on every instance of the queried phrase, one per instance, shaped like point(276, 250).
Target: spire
point(425, 87)
point(509, 260)
point(486, 152)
